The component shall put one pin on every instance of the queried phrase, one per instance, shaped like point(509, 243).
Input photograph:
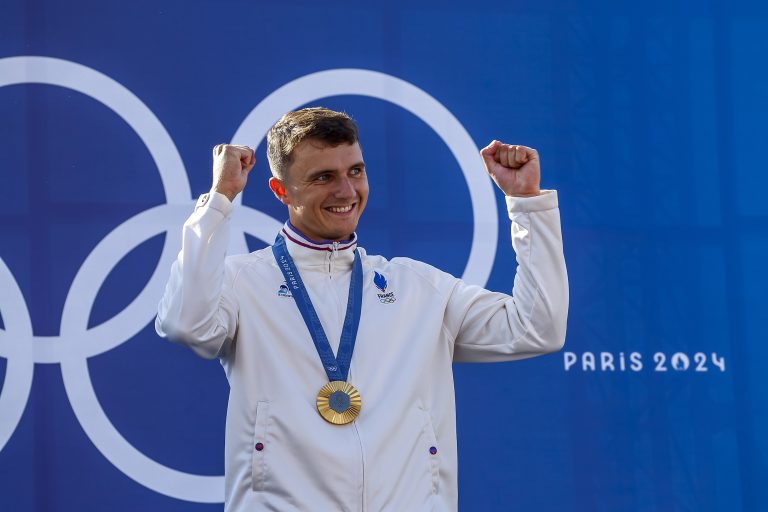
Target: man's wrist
point(532, 194)
point(229, 195)
point(546, 200)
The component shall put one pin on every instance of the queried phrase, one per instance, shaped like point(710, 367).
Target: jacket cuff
point(215, 201)
point(547, 200)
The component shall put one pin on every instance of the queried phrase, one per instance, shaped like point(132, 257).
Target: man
point(339, 362)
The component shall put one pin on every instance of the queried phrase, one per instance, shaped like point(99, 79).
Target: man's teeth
point(340, 209)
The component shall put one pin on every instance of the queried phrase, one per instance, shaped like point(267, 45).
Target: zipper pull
point(333, 256)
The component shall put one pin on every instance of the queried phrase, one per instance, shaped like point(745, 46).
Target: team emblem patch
point(283, 291)
point(381, 283)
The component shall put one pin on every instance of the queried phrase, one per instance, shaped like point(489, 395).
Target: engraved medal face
point(339, 402)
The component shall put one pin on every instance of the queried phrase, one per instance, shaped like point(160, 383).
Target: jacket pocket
point(432, 450)
point(260, 447)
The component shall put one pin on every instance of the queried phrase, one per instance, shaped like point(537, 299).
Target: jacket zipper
point(331, 259)
point(334, 254)
point(362, 468)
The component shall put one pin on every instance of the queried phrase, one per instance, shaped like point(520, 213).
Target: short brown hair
point(325, 125)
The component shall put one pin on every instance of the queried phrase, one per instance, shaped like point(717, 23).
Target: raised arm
point(490, 326)
point(199, 308)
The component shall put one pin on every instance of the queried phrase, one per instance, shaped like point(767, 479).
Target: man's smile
point(340, 209)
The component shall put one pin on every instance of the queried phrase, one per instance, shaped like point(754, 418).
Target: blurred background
point(650, 121)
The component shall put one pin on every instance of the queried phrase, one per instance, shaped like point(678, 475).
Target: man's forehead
point(311, 153)
point(318, 145)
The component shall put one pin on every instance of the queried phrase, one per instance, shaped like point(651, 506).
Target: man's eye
point(355, 171)
point(323, 177)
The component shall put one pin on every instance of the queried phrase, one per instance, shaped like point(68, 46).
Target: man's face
point(326, 189)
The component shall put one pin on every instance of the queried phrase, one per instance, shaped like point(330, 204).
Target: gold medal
point(338, 402)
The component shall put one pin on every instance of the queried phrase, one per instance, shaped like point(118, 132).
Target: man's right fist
point(231, 165)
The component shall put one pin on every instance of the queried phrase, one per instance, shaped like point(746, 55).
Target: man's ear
point(278, 189)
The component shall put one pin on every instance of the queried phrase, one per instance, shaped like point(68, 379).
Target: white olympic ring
point(76, 342)
point(18, 352)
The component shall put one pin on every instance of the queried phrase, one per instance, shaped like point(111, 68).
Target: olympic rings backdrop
point(650, 123)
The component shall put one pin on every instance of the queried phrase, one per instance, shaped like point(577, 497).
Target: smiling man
point(340, 362)
point(326, 189)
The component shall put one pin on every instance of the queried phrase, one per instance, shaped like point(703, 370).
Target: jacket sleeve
point(489, 326)
point(199, 308)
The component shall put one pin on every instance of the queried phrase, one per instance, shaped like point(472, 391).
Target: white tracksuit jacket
point(280, 454)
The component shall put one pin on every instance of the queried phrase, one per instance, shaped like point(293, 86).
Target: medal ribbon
point(337, 368)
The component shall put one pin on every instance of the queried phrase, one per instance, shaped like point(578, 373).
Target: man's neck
point(318, 242)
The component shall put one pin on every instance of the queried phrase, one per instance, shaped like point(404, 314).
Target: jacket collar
point(305, 251)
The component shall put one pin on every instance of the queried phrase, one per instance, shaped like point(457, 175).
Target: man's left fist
point(514, 169)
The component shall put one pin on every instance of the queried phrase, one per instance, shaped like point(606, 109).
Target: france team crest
point(381, 283)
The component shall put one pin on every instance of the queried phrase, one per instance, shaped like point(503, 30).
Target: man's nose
point(345, 189)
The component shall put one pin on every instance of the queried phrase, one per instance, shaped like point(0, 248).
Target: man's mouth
point(341, 209)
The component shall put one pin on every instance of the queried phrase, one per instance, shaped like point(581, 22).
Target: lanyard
point(337, 368)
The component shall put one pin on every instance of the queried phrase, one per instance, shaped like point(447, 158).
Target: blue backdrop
point(650, 120)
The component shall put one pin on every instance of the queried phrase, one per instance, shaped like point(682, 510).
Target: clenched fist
point(231, 165)
point(514, 169)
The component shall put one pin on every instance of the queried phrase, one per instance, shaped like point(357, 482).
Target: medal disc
point(338, 402)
